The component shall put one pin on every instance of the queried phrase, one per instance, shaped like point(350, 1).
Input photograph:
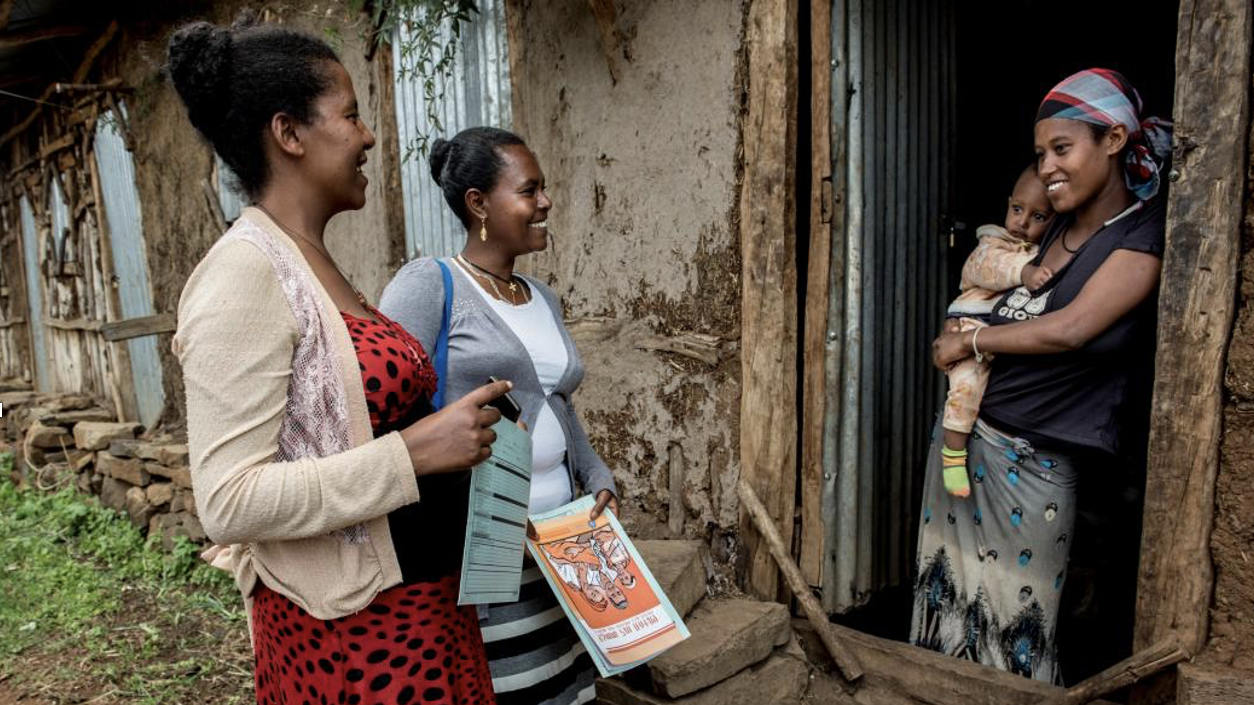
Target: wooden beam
point(814, 384)
point(606, 17)
point(516, 45)
point(1195, 311)
point(919, 676)
point(113, 84)
point(388, 133)
point(1143, 663)
point(768, 334)
point(72, 324)
point(138, 327)
point(845, 660)
point(84, 67)
point(63, 142)
point(13, 40)
point(696, 346)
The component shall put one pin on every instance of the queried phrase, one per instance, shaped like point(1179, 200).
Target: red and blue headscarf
point(1104, 97)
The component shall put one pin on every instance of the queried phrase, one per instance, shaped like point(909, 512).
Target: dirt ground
point(220, 674)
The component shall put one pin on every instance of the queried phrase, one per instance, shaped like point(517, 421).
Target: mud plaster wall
point(644, 237)
point(1232, 543)
point(171, 160)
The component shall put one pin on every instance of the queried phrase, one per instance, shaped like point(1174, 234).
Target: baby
point(1000, 262)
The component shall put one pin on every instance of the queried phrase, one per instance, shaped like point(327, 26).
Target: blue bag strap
point(441, 341)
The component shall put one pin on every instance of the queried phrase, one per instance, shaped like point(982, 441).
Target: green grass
point(88, 609)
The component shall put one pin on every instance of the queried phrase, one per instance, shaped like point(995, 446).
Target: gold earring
point(483, 229)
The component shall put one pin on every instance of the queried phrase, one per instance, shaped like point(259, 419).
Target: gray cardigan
point(480, 344)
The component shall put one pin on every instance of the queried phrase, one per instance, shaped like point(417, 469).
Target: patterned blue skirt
point(991, 566)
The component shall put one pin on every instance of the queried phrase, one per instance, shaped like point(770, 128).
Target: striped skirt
point(533, 651)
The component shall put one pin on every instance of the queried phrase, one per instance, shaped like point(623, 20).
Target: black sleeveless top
point(1089, 398)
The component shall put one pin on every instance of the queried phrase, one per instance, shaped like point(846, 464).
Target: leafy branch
point(426, 35)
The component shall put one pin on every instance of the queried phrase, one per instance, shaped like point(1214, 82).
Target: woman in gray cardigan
point(506, 325)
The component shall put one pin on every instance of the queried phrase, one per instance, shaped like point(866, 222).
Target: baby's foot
point(954, 471)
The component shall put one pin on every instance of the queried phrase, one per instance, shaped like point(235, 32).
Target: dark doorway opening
point(1009, 55)
point(1006, 57)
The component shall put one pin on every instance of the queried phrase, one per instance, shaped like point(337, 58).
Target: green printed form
point(496, 527)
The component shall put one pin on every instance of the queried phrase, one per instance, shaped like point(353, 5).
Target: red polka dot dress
point(412, 644)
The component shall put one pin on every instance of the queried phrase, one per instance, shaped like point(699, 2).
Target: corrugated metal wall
point(34, 294)
point(231, 202)
point(477, 93)
point(130, 265)
point(896, 121)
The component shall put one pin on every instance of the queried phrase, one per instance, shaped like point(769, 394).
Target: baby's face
point(1028, 212)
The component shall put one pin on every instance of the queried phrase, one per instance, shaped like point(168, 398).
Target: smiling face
point(517, 207)
point(336, 142)
point(1075, 166)
point(1028, 210)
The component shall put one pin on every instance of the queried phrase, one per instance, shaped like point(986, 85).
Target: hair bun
point(198, 61)
point(440, 151)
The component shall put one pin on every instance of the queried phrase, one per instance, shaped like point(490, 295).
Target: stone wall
point(70, 439)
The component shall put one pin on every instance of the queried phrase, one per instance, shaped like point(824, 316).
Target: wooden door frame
point(1196, 310)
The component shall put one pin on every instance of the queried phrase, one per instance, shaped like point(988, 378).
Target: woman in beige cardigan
point(316, 456)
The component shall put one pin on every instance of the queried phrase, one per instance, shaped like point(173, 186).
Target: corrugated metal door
point(477, 93)
point(34, 295)
point(130, 263)
point(893, 109)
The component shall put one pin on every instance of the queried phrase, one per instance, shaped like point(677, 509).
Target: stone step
point(97, 435)
point(679, 568)
point(727, 637)
point(69, 418)
point(781, 679)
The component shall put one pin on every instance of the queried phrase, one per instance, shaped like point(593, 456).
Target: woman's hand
point(458, 436)
point(948, 349)
point(604, 498)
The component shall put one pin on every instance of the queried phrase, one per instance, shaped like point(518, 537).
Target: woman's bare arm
point(1123, 281)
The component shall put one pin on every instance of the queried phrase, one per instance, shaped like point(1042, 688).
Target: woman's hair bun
point(199, 63)
point(440, 150)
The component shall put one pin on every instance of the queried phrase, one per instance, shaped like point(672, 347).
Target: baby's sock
point(954, 471)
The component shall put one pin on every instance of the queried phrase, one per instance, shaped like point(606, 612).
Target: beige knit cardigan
point(272, 382)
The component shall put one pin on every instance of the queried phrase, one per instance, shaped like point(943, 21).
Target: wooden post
point(817, 289)
point(845, 660)
point(768, 338)
point(1195, 309)
point(389, 137)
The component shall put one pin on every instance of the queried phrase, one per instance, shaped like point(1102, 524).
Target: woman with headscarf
point(1070, 357)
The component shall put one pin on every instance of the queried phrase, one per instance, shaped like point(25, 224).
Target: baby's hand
point(1035, 277)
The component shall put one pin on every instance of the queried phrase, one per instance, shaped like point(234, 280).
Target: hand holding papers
point(606, 590)
point(500, 488)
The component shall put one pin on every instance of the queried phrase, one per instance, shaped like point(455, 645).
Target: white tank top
point(536, 327)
